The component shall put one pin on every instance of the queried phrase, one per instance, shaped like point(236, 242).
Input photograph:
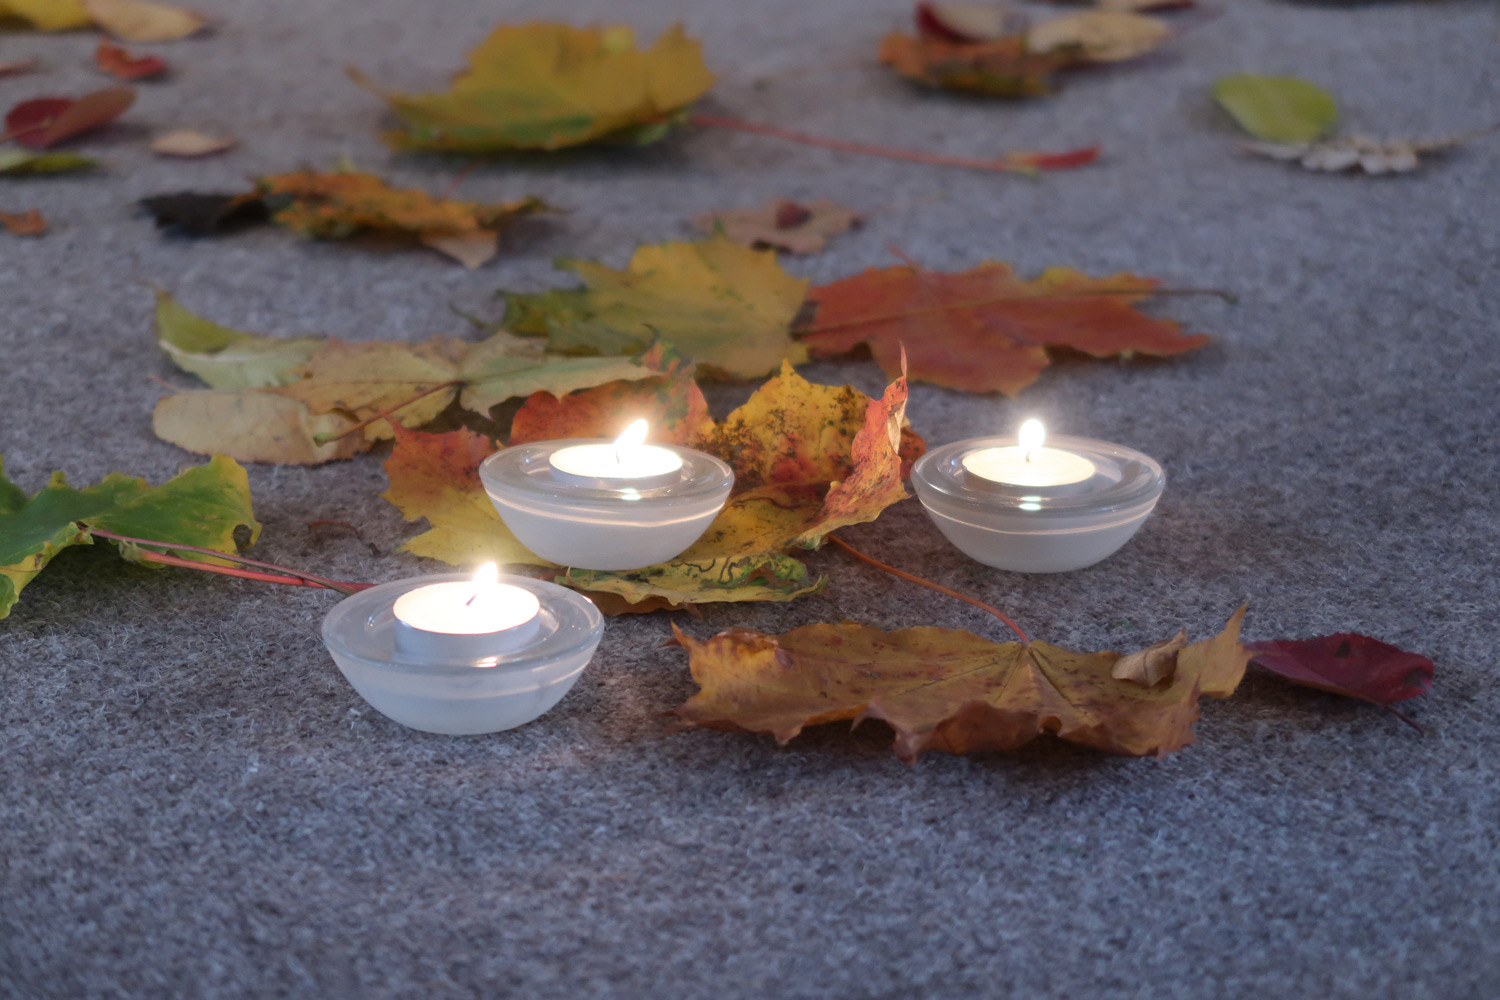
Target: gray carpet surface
point(193, 803)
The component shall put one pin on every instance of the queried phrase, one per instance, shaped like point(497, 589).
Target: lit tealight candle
point(467, 619)
point(627, 463)
point(1029, 464)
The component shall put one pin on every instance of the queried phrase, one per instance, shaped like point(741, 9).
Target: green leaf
point(1277, 108)
point(225, 358)
point(19, 163)
point(202, 507)
point(727, 307)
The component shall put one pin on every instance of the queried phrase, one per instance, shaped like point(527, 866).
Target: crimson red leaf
point(43, 122)
point(1353, 665)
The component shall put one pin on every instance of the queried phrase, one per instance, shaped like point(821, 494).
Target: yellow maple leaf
point(548, 86)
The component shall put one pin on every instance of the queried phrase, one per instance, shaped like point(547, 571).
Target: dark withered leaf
point(195, 213)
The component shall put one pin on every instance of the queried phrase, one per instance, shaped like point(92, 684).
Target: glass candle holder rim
point(362, 626)
point(524, 469)
point(1132, 479)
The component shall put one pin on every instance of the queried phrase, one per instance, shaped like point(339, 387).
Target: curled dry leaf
point(782, 225)
point(726, 307)
point(950, 690)
point(120, 64)
point(985, 330)
point(189, 143)
point(29, 223)
point(19, 163)
point(1152, 665)
point(970, 22)
point(202, 507)
point(43, 122)
point(808, 460)
point(549, 86)
point(139, 21)
point(1101, 35)
point(1357, 153)
point(1349, 664)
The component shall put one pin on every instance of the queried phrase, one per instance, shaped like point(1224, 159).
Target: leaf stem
point(1023, 163)
point(322, 439)
point(281, 574)
point(913, 578)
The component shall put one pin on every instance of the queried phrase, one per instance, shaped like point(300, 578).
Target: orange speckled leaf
point(985, 330)
point(792, 431)
point(946, 689)
point(672, 405)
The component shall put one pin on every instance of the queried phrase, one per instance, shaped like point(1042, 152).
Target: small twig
point(245, 574)
point(913, 578)
point(459, 179)
point(291, 577)
point(1022, 163)
point(322, 439)
point(1403, 718)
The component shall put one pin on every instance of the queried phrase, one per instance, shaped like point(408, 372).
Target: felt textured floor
point(193, 802)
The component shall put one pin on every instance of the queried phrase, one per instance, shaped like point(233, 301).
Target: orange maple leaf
point(985, 330)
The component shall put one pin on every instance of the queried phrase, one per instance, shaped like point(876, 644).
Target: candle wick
point(472, 597)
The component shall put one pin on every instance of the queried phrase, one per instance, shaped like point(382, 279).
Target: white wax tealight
point(471, 618)
point(1027, 463)
point(445, 654)
point(1013, 504)
point(627, 463)
point(606, 505)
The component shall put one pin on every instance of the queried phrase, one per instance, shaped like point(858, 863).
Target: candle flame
point(633, 437)
point(486, 576)
point(1032, 435)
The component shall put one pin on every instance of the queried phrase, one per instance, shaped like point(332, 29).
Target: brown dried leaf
point(29, 223)
point(1101, 35)
point(189, 143)
point(122, 65)
point(946, 689)
point(783, 225)
point(1152, 665)
point(1357, 153)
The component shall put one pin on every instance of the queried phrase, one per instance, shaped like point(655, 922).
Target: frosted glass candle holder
point(1038, 529)
point(462, 685)
point(602, 524)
